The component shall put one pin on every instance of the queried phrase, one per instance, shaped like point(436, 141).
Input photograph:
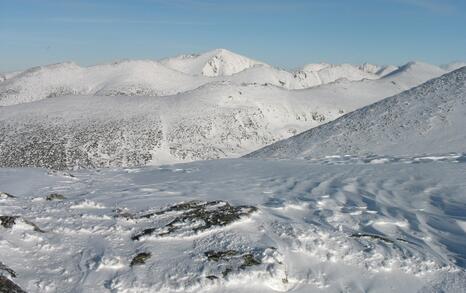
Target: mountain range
point(180, 74)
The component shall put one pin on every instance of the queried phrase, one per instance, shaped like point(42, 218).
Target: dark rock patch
point(7, 286)
point(140, 258)
point(220, 255)
point(8, 222)
point(249, 260)
point(377, 237)
point(4, 195)
point(212, 277)
point(233, 260)
point(195, 216)
point(55, 196)
point(4, 268)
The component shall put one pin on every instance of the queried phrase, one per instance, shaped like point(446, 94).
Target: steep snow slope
point(219, 62)
point(142, 77)
point(320, 226)
point(427, 119)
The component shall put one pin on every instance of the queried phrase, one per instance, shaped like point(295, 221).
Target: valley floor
point(341, 224)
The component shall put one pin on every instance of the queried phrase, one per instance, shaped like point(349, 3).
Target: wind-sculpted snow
point(427, 119)
point(362, 223)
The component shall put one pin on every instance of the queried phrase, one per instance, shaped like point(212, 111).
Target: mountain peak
point(217, 62)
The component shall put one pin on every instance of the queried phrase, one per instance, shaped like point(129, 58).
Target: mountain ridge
point(424, 119)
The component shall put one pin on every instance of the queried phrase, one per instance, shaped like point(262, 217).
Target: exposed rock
point(55, 196)
point(212, 277)
point(220, 255)
point(8, 222)
point(5, 195)
point(233, 260)
point(376, 237)
point(7, 286)
point(140, 258)
point(4, 268)
point(196, 216)
point(249, 260)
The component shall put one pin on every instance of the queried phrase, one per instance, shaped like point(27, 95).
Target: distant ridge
point(183, 73)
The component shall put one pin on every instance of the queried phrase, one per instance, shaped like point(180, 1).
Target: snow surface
point(353, 224)
point(427, 119)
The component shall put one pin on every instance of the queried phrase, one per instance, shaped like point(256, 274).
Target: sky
point(285, 33)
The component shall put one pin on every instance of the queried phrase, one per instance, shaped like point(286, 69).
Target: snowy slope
point(219, 62)
point(427, 119)
point(120, 78)
point(214, 121)
point(320, 226)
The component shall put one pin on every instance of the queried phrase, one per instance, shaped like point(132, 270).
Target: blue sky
point(285, 33)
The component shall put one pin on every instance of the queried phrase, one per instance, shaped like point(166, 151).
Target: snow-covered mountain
point(216, 120)
point(427, 119)
point(129, 78)
point(219, 62)
point(181, 74)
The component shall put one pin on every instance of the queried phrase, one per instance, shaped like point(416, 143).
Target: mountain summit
point(219, 62)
